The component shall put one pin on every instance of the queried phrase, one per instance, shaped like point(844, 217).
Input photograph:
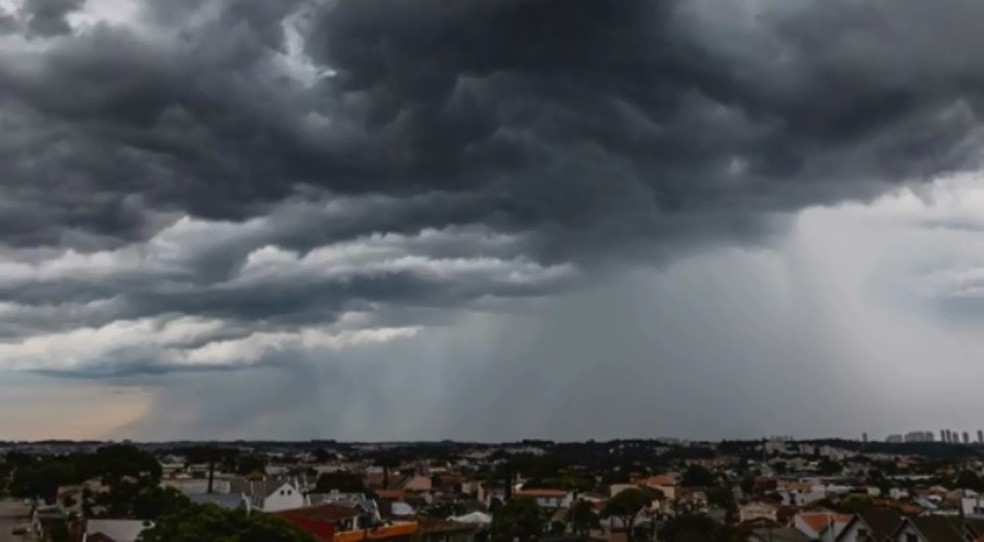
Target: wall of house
point(855, 532)
point(285, 498)
point(907, 534)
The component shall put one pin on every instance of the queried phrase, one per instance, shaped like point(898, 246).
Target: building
point(872, 524)
point(919, 436)
point(980, 436)
point(757, 511)
point(894, 439)
point(548, 498)
point(927, 529)
point(966, 438)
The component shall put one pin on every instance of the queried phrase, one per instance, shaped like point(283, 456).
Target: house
point(113, 530)
point(872, 525)
point(548, 498)
point(973, 529)
point(418, 484)
point(972, 506)
point(820, 525)
point(754, 511)
point(777, 534)
point(271, 495)
point(665, 483)
point(927, 529)
point(324, 520)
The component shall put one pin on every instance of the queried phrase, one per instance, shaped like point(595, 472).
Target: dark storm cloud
point(612, 118)
point(590, 132)
point(47, 17)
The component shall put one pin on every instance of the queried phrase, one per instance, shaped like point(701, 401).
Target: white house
point(548, 498)
point(275, 496)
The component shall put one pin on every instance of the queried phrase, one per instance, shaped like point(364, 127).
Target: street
point(12, 513)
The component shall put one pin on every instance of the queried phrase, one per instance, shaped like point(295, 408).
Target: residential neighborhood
point(766, 490)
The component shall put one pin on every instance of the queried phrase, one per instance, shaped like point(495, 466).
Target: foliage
point(520, 518)
point(696, 528)
point(212, 523)
point(582, 517)
point(626, 506)
point(114, 465)
point(968, 479)
point(698, 476)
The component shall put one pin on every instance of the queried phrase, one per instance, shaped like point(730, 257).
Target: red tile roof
point(327, 512)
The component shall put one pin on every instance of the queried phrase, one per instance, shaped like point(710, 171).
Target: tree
point(697, 476)
point(520, 518)
point(695, 528)
point(968, 479)
point(211, 522)
point(582, 517)
point(626, 506)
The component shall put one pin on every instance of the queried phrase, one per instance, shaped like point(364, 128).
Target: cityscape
point(763, 490)
point(491, 270)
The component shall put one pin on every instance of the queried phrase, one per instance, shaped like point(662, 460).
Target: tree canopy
point(215, 524)
point(520, 518)
point(626, 506)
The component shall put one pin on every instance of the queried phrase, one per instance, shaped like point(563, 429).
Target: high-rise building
point(946, 435)
point(954, 436)
point(894, 439)
point(980, 436)
point(864, 437)
point(942, 435)
point(966, 437)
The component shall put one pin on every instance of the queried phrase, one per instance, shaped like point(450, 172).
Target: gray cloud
point(224, 177)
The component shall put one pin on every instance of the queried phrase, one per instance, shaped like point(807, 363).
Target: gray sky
point(488, 220)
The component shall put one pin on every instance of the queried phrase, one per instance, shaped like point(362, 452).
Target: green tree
point(626, 506)
point(156, 502)
point(520, 518)
point(582, 517)
point(698, 476)
point(212, 523)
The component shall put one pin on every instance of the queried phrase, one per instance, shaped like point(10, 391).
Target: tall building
point(980, 436)
point(919, 436)
point(942, 435)
point(966, 437)
point(954, 436)
point(894, 439)
point(864, 437)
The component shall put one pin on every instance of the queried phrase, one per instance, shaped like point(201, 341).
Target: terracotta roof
point(661, 480)
point(323, 512)
point(816, 522)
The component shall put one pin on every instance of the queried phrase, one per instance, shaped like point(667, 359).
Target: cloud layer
point(210, 186)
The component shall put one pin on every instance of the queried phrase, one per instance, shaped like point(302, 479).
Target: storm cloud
point(222, 185)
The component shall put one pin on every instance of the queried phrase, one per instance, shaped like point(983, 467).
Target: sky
point(489, 220)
